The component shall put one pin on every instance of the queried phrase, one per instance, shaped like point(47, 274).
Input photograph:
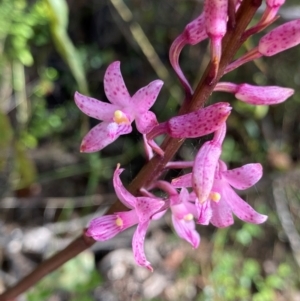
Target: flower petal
point(199, 123)
point(159, 215)
point(244, 176)
point(147, 207)
point(138, 245)
point(145, 122)
point(221, 213)
point(122, 193)
point(145, 97)
point(259, 95)
point(103, 228)
point(204, 212)
point(102, 135)
point(114, 86)
point(186, 230)
point(216, 15)
point(148, 150)
point(281, 38)
point(240, 208)
point(95, 108)
point(195, 31)
point(183, 181)
point(204, 169)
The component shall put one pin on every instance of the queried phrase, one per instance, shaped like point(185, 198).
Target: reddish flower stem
point(154, 168)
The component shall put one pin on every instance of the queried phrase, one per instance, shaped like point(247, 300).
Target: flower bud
point(281, 38)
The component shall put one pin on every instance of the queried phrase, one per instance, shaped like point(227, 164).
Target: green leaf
point(58, 17)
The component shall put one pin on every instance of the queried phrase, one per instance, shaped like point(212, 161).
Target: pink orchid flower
point(223, 200)
point(183, 213)
point(118, 115)
point(142, 210)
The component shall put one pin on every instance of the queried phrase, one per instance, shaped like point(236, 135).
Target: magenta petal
point(221, 214)
point(258, 95)
point(145, 122)
point(281, 38)
point(195, 31)
point(95, 108)
point(103, 228)
point(215, 14)
point(204, 212)
point(114, 86)
point(186, 230)
point(183, 181)
point(138, 245)
point(241, 209)
point(199, 123)
point(148, 150)
point(204, 169)
point(146, 207)
point(103, 134)
point(159, 215)
point(122, 193)
point(243, 177)
point(144, 98)
point(275, 3)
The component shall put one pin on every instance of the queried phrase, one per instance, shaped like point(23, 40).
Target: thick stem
point(154, 168)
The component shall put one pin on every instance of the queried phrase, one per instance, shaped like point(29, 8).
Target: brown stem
point(154, 168)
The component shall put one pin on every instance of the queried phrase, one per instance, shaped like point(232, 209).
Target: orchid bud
point(281, 38)
point(216, 14)
point(256, 95)
point(199, 123)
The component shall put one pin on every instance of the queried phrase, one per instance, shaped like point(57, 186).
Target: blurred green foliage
point(77, 278)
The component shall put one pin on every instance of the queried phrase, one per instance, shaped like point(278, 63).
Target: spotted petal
point(95, 108)
point(138, 245)
point(204, 212)
point(114, 86)
point(145, 97)
point(221, 214)
point(183, 181)
point(122, 193)
point(103, 228)
point(102, 135)
point(186, 230)
point(199, 123)
point(240, 208)
point(195, 31)
point(204, 169)
point(106, 227)
point(146, 207)
point(281, 38)
point(145, 122)
point(243, 177)
point(259, 95)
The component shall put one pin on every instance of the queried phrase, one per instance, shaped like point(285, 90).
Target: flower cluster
point(205, 195)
